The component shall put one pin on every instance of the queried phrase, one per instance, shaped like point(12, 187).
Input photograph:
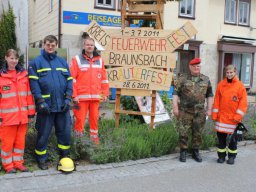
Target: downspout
point(59, 24)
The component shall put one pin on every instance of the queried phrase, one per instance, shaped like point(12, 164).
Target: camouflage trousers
point(190, 123)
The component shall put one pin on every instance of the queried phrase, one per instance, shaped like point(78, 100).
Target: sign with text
point(86, 18)
point(139, 44)
point(139, 32)
point(98, 33)
point(135, 52)
point(139, 78)
point(144, 59)
point(180, 36)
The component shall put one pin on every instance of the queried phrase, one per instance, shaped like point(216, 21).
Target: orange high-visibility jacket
point(230, 105)
point(16, 100)
point(89, 77)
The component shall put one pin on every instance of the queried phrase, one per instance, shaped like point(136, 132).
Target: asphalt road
point(162, 175)
point(192, 177)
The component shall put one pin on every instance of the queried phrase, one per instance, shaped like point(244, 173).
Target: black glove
point(76, 105)
point(66, 105)
point(239, 135)
point(43, 108)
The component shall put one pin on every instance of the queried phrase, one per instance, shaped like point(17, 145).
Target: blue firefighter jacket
point(50, 80)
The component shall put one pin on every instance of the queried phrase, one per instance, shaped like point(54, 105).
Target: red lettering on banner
point(138, 44)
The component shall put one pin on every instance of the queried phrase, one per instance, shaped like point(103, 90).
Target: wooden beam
point(145, 17)
point(131, 92)
point(142, 8)
point(135, 112)
point(131, 1)
point(123, 12)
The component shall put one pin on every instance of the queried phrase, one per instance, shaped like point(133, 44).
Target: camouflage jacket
point(192, 93)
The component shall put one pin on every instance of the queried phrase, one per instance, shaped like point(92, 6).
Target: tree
point(7, 30)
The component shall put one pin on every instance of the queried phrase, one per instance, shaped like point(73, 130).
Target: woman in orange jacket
point(16, 110)
point(230, 105)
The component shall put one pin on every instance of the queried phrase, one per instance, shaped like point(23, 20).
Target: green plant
point(7, 31)
point(209, 137)
point(134, 141)
point(166, 101)
point(129, 103)
point(249, 121)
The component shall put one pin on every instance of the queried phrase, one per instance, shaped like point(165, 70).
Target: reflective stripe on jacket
point(89, 77)
point(16, 101)
point(230, 105)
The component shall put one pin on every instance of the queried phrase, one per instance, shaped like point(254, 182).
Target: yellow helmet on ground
point(66, 165)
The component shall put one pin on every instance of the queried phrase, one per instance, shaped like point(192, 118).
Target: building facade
point(226, 30)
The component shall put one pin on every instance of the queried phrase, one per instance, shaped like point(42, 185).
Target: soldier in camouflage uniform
point(190, 92)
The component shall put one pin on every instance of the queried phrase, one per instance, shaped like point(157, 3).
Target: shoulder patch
point(6, 88)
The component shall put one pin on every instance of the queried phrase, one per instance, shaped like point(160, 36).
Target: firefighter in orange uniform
point(16, 110)
point(90, 85)
point(230, 105)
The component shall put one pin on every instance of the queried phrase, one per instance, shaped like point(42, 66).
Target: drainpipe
point(59, 23)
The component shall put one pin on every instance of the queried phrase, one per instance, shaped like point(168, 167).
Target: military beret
point(195, 61)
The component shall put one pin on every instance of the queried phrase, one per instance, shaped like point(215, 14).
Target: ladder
point(146, 10)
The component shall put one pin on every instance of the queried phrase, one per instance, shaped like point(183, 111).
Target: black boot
point(183, 153)
point(222, 156)
point(231, 160)
point(221, 160)
point(42, 165)
point(196, 155)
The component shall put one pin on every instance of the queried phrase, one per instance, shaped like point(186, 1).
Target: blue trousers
point(44, 124)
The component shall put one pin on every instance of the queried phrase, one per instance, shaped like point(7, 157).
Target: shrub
point(250, 122)
point(134, 141)
point(131, 141)
point(7, 31)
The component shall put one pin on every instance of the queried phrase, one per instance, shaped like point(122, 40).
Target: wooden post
point(153, 109)
point(118, 106)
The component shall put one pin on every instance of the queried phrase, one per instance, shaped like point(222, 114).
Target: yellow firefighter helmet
point(66, 165)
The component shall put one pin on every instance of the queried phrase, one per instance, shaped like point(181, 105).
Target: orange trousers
point(81, 114)
point(13, 144)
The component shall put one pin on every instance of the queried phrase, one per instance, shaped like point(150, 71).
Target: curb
point(94, 167)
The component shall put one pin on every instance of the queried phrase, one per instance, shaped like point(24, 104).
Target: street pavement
point(146, 175)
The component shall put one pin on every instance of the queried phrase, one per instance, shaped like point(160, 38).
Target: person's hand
point(76, 100)
point(104, 98)
point(209, 112)
point(176, 112)
point(30, 119)
point(66, 106)
point(43, 108)
point(235, 121)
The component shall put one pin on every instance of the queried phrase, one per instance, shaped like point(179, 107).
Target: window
point(244, 13)
point(237, 11)
point(187, 8)
point(230, 12)
point(50, 5)
point(243, 64)
point(119, 4)
point(107, 4)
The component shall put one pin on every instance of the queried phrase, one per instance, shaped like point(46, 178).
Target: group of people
point(191, 92)
point(51, 88)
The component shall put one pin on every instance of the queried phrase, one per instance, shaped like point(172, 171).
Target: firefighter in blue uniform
point(51, 86)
